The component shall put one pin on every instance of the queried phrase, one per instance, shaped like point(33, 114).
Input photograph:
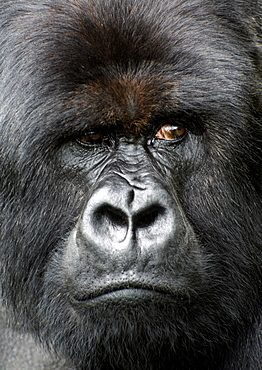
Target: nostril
point(110, 222)
point(148, 216)
point(109, 214)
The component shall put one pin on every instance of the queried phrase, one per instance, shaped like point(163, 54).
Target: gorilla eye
point(90, 138)
point(170, 132)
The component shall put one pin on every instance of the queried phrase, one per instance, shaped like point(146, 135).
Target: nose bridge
point(128, 194)
point(130, 169)
point(136, 180)
point(132, 155)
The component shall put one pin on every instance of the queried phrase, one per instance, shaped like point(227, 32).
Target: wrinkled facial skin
point(131, 187)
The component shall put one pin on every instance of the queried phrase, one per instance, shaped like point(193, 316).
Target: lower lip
point(123, 295)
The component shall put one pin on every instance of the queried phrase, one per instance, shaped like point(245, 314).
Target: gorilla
point(130, 191)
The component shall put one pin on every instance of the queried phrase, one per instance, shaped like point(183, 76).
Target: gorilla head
point(131, 186)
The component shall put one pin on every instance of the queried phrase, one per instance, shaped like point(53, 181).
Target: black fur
point(129, 67)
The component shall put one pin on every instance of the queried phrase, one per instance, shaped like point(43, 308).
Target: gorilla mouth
point(129, 290)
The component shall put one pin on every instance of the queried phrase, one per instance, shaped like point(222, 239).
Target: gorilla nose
point(121, 216)
point(114, 222)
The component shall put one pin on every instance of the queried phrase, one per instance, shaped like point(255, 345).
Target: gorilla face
point(131, 189)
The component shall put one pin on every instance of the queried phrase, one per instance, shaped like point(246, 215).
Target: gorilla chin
point(131, 211)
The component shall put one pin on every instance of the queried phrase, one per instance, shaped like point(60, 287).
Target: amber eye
point(90, 137)
point(171, 132)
